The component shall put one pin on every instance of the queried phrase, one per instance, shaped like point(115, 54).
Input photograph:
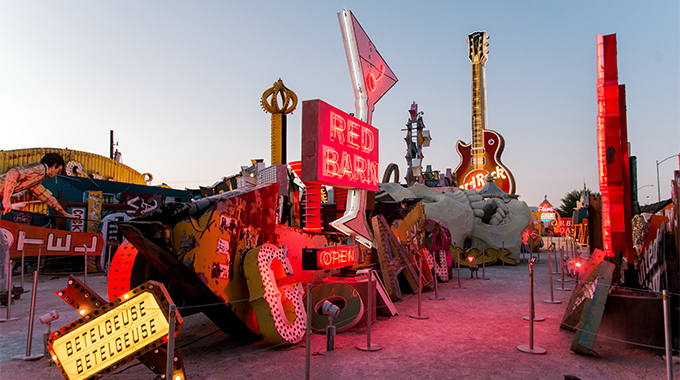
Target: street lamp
point(658, 184)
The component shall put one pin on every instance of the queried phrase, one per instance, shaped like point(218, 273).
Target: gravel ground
point(473, 333)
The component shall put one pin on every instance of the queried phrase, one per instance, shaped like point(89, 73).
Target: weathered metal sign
point(141, 204)
point(121, 331)
point(49, 242)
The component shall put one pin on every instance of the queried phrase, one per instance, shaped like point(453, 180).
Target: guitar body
point(473, 169)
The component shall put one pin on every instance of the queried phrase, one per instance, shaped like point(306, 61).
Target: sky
point(180, 82)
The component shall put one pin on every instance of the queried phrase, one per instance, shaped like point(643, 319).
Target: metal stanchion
point(562, 264)
point(22, 268)
point(667, 330)
point(37, 266)
point(171, 341)
point(85, 254)
point(108, 257)
point(532, 316)
point(30, 324)
point(553, 251)
point(503, 254)
point(420, 291)
point(308, 339)
point(9, 294)
point(457, 263)
point(484, 264)
point(436, 288)
point(369, 346)
point(552, 295)
point(531, 349)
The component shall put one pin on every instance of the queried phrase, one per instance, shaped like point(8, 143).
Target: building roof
point(491, 190)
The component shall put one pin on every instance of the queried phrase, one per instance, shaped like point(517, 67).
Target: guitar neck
point(478, 110)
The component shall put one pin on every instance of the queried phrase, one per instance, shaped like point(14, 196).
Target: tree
point(569, 201)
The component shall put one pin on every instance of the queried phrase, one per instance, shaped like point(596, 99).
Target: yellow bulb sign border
point(105, 339)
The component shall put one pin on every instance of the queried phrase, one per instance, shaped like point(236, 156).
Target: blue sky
point(180, 82)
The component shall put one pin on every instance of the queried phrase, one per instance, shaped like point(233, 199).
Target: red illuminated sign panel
point(337, 148)
point(544, 207)
point(613, 155)
point(328, 257)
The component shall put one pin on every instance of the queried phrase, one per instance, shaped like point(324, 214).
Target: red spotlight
point(471, 259)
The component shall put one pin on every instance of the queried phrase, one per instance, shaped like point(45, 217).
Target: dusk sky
point(180, 82)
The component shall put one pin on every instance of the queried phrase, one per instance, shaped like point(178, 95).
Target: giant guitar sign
point(481, 156)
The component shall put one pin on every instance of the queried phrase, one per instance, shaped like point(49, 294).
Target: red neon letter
point(337, 128)
point(373, 172)
point(352, 136)
point(330, 162)
point(347, 167)
point(360, 169)
point(367, 140)
point(325, 258)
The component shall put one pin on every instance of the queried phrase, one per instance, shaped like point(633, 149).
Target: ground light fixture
point(47, 319)
point(330, 310)
point(474, 269)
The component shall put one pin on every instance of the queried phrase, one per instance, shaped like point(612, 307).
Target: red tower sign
point(612, 150)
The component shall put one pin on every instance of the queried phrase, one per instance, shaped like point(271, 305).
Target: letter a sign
point(371, 77)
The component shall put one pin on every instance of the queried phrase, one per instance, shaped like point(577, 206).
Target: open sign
point(328, 257)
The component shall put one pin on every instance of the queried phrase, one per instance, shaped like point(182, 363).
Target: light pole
point(642, 187)
point(658, 184)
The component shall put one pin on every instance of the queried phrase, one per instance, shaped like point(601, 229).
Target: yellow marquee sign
point(131, 325)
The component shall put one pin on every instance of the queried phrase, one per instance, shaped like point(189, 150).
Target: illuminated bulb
point(578, 265)
point(471, 258)
point(126, 296)
point(178, 377)
point(82, 311)
point(54, 358)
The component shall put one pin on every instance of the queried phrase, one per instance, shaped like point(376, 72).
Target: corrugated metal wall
point(92, 163)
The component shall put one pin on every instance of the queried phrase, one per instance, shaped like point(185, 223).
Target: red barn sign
point(337, 148)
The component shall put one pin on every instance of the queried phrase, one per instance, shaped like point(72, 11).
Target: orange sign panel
point(49, 242)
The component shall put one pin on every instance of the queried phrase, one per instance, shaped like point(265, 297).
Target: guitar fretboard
point(478, 111)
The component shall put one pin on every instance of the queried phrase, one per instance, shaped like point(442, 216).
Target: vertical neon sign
point(612, 147)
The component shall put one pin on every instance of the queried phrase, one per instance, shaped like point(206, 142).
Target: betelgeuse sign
point(125, 328)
